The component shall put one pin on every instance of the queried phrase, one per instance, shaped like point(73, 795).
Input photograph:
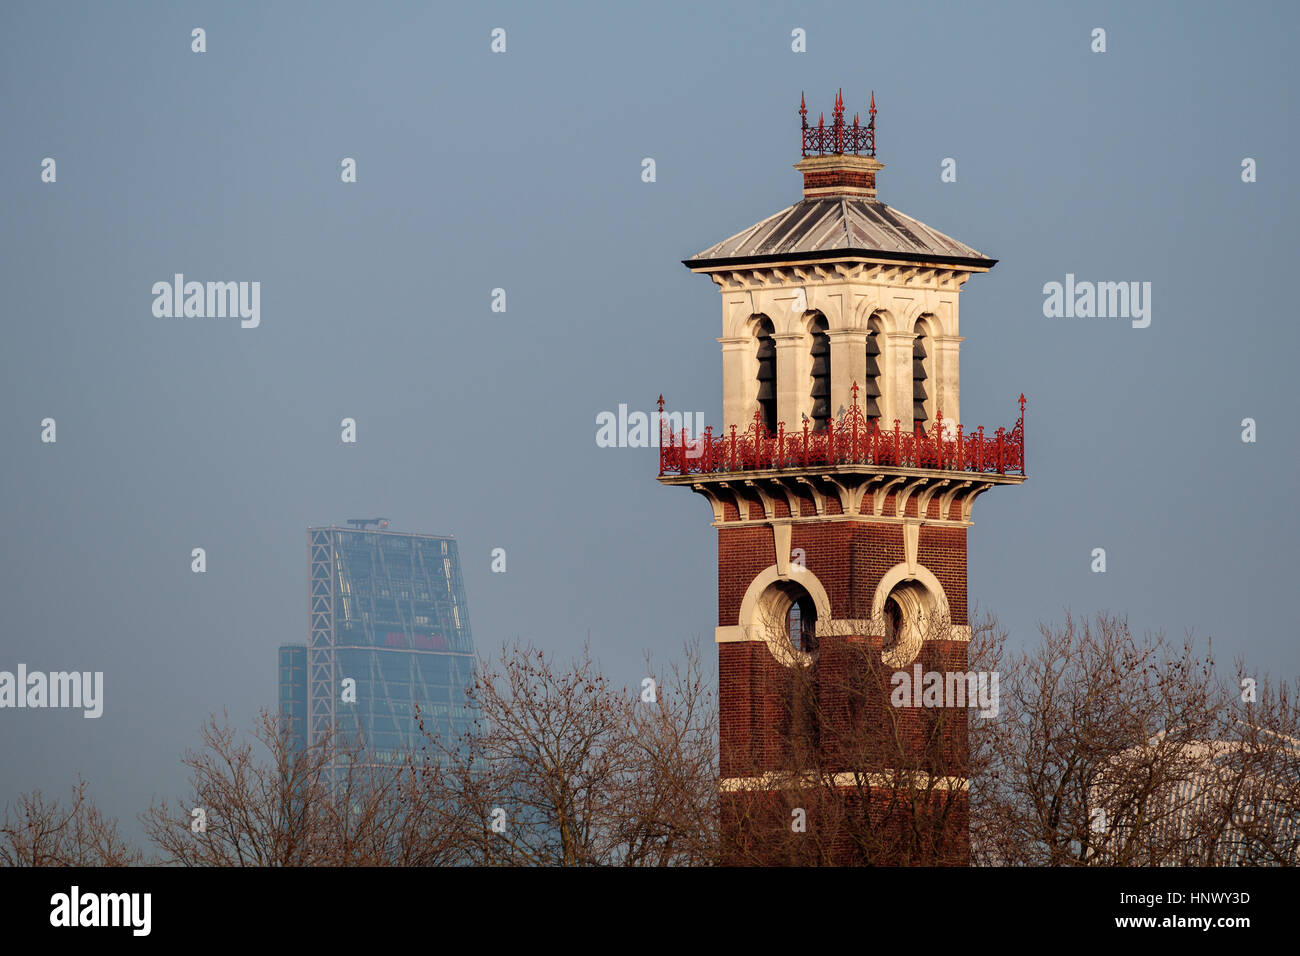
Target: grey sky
point(522, 171)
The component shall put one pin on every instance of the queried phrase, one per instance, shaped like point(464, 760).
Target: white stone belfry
point(883, 282)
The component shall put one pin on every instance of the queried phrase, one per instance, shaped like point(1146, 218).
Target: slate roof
point(835, 226)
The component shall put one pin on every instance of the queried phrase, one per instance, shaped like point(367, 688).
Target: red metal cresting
point(853, 439)
point(839, 137)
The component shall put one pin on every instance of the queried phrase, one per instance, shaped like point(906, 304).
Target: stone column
point(896, 370)
point(739, 382)
point(947, 380)
point(793, 378)
point(848, 365)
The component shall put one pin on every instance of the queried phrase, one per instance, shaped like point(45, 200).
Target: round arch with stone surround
point(768, 600)
point(923, 606)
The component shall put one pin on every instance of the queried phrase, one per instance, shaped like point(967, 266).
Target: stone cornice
point(851, 270)
point(863, 493)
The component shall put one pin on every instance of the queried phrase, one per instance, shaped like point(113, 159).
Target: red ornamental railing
point(853, 439)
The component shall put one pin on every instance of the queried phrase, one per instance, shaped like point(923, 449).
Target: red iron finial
point(872, 124)
point(838, 123)
point(837, 137)
point(803, 125)
point(661, 404)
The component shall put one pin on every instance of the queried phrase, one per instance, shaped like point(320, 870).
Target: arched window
point(766, 373)
point(801, 623)
point(920, 353)
point(785, 616)
point(871, 384)
point(821, 374)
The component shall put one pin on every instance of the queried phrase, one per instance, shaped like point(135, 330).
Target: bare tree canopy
point(566, 770)
point(1125, 751)
point(40, 831)
point(1101, 749)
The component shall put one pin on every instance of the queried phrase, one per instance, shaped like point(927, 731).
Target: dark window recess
point(821, 375)
point(893, 622)
point(802, 623)
point(871, 387)
point(767, 375)
point(919, 394)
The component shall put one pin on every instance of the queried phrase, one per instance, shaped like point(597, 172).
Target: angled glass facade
point(388, 630)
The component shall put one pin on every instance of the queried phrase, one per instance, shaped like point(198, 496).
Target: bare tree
point(670, 809)
point(1114, 750)
point(317, 805)
point(1256, 787)
point(1106, 750)
point(564, 769)
point(40, 831)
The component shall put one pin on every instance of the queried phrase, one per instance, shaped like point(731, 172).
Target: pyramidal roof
point(839, 215)
point(836, 226)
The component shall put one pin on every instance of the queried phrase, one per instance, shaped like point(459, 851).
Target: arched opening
point(766, 354)
point(821, 373)
point(871, 390)
point(922, 346)
point(909, 617)
point(787, 614)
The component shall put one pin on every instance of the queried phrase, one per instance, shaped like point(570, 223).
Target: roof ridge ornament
point(839, 138)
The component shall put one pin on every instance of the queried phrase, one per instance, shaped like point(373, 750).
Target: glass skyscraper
point(388, 629)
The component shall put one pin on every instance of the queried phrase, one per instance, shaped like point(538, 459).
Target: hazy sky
point(522, 171)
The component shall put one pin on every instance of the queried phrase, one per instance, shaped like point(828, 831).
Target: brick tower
point(841, 485)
